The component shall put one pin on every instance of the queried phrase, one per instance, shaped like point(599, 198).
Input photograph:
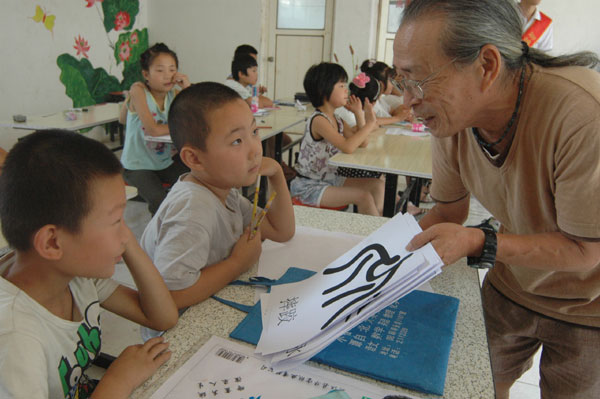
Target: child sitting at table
point(377, 87)
point(253, 52)
point(200, 238)
point(150, 164)
point(244, 70)
point(64, 219)
point(318, 183)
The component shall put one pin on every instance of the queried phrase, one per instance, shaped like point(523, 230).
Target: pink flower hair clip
point(361, 80)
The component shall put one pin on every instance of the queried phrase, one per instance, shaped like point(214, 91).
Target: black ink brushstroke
point(384, 259)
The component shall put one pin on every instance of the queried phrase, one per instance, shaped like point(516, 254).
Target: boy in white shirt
point(244, 70)
point(199, 238)
point(64, 218)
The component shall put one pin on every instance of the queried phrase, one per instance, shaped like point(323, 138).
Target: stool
point(296, 201)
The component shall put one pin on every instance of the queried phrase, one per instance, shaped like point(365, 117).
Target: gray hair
point(471, 24)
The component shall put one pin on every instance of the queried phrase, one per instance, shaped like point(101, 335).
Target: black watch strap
point(488, 255)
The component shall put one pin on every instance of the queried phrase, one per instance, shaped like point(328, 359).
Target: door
point(390, 12)
point(299, 35)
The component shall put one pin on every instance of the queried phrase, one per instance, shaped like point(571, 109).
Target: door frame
point(269, 33)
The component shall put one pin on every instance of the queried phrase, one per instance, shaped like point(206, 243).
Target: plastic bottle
point(254, 103)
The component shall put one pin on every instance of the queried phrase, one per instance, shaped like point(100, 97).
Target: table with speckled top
point(469, 371)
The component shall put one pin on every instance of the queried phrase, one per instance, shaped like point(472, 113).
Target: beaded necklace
point(480, 139)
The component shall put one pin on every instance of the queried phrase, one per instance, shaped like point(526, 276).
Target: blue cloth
point(139, 153)
point(406, 344)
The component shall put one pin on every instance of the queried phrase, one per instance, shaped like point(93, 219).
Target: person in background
point(538, 31)
point(520, 130)
point(150, 165)
point(57, 279)
point(244, 70)
point(253, 52)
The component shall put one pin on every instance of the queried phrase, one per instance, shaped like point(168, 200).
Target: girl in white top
point(318, 183)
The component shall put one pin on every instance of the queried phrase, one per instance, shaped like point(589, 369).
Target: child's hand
point(136, 363)
point(269, 167)
point(246, 250)
point(181, 80)
point(262, 89)
point(370, 117)
point(354, 105)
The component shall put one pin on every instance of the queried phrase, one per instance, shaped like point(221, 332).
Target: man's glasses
point(415, 87)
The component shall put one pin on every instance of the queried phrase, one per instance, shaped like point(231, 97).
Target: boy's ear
point(192, 157)
point(46, 242)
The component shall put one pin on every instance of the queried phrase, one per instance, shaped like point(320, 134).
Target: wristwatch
point(488, 255)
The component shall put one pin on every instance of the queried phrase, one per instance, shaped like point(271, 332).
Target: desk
point(97, 115)
point(393, 155)
point(469, 371)
point(275, 123)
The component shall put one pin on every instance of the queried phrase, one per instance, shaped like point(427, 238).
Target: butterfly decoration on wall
point(43, 17)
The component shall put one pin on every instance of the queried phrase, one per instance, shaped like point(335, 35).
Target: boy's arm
point(133, 366)
point(213, 278)
point(279, 223)
point(264, 102)
point(152, 305)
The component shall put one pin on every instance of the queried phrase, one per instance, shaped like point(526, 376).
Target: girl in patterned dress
point(318, 183)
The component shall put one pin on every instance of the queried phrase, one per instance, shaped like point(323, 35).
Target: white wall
point(29, 80)
point(355, 23)
point(205, 33)
point(576, 26)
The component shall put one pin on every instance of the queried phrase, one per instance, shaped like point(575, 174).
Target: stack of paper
point(302, 318)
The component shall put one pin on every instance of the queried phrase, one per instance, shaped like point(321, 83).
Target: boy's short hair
point(244, 49)
point(241, 64)
point(320, 80)
point(188, 115)
point(46, 179)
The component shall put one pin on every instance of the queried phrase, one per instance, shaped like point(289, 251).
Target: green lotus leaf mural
point(128, 49)
point(120, 14)
point(85, 85)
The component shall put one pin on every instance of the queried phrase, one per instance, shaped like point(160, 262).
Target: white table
point(96, 115)
point(469, 371)
point(394, 155)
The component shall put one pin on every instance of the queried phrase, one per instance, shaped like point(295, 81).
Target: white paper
point(224, 369)
point(379, 265)
point(396, 131)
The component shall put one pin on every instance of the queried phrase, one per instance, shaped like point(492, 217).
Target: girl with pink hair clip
point(318, 183)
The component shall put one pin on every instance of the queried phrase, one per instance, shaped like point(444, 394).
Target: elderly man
point(525, 140)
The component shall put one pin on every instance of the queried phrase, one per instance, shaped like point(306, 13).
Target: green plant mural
point(86, 85)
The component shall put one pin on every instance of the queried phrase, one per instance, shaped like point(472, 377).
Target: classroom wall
point(204, 33)
point(575, 25)
point(30, 78)
point(355, 23)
